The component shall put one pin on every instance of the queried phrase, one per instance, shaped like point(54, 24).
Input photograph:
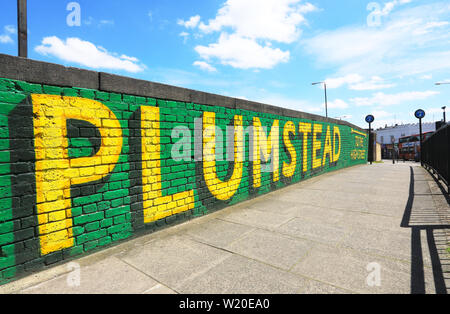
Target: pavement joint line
point(351, 211)
point(232, 242)
point(305, 257)
point(147, 275)
point(206, 269)
point(326, 283)
point(248, 225)
point(251, 258)
point(17, 288)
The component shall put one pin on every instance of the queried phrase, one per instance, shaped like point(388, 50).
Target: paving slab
point(369, 221)
point(310, 230)
point(107, 276)
point(174, 260)
point(272, 248)
point(240, 275)
point(256, 218)
point(319, 214)
point(387, 243)
point(217, 232)
point(351, 270)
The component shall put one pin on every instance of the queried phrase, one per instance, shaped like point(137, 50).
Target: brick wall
point(81, 169)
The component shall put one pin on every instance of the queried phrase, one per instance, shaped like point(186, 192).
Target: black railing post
point(436, 155)
point(447, 134)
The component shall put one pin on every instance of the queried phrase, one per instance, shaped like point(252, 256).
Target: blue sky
point(376, 57)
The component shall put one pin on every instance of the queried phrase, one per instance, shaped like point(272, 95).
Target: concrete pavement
point(367, 229)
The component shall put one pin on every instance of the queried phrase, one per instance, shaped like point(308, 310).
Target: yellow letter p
point(56, 172)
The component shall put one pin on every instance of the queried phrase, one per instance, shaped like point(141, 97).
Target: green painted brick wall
point(111, 209)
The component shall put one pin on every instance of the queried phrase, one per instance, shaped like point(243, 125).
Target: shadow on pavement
point(419, 220)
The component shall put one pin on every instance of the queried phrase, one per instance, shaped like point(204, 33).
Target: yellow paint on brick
point(317, 145)
point(54, 177)
point(305, 129)
point(222, 190)
point(265, 146)
point(336, 143)
point(328, 148)
point(156, 206)
point(357, 132)
point(289, 169)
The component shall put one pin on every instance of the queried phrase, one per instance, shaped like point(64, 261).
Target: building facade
point(390, 135)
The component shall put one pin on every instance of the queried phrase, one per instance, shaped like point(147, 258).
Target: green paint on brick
point(92, 226)
point(88, 218)
point(107, 210)
point(117, 211)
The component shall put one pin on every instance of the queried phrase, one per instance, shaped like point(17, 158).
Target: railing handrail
point(442, 129)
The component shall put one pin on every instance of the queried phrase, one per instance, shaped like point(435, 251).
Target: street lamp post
point(443, 108)
point(22, 32)
point(326, 97)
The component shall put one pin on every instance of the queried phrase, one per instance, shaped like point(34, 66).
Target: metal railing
point(436, 154)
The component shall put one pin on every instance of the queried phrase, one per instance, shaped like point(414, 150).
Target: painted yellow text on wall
point(222, 190)
point(157, 206)
point(56, 173)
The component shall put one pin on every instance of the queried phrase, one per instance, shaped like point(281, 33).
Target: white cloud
point(389, 6)
point(90, 21)
point(428, 27)
point(294, 104)
point(9, 30)
point(374, 83)
point(411, 41)
point(248, 30)
point(191, 23)
point(337, 104)
point(382, 99)
point(243, 53)
point(275, 20)
point(6, 39)
point(343, 80)
point(87, 54)
point(185, 36)
point(358, 82)
point(380, 114)
point(106, 22)
point(132, 59)
point(205, 66)
point(432, 111)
